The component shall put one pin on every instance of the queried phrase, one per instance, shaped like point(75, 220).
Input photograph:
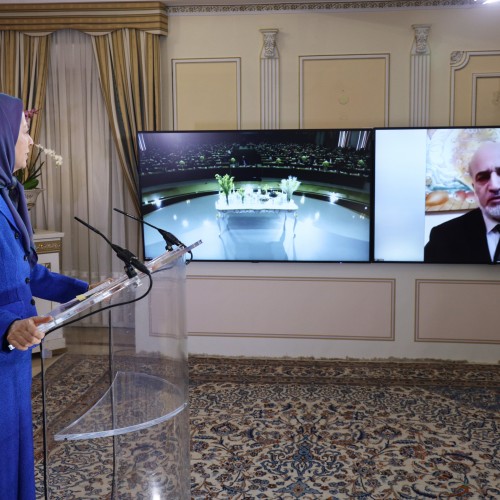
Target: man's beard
point(493, 212)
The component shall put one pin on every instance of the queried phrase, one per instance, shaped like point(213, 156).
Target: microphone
point(125, 255)
point(169, 238)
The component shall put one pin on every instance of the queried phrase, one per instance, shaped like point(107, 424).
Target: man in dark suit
point(473, 237)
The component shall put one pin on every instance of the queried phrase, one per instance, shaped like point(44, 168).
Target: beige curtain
point(23, 70)
point(90, 181)
point(100, 159)
point(129, 72)
point(126, 43)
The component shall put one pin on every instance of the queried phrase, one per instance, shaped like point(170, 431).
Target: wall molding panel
point(206, 93)
point(272, 307)
point(331, 94)
point(485, 99)
point(467, 69)
point(457, 311)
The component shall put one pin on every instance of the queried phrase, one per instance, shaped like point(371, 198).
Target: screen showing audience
point(259, 195)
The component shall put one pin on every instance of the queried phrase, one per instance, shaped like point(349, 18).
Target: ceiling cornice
point(174, 8)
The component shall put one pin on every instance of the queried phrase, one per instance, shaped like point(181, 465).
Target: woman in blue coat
point(21, 279)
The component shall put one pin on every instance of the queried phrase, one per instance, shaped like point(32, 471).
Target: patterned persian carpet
point(314, 429)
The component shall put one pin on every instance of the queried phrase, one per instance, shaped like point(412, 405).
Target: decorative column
point(269, 81)
point(420, 76)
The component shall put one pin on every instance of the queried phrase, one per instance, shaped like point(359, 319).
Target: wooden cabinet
point(48, 246)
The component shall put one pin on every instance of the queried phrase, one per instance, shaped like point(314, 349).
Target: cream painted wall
point(338, 33)
point(210, 36)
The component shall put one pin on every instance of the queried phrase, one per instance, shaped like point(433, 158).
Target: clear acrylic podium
point(115, 404)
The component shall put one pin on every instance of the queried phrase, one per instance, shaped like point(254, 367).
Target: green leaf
point(31, 184)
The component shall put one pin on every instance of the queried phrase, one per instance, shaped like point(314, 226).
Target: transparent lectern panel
point(134, 401)
point(110, 288)
point(116, 415)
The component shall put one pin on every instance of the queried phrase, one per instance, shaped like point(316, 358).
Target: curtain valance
point(91, 18)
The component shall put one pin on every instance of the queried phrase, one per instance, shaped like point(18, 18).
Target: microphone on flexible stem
point(169, 238)
point(125, 255)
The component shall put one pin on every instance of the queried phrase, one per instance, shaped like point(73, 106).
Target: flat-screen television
point(425, 203)
point(259, 195)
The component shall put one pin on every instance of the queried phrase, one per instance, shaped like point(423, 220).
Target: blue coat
point(18, 285)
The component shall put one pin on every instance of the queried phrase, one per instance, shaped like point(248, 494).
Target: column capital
point(270, 50)
point(421, 38)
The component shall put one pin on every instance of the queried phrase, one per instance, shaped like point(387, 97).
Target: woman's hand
point(24, 333)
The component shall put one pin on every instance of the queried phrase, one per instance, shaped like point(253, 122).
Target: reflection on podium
point(116, 418)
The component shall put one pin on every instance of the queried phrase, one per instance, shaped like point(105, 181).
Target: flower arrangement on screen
point(289, 186)
point(28, 176)
point(226, 184)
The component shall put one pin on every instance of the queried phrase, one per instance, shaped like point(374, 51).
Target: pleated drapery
point(23, 70)
point(129, 64)
point(125, 44)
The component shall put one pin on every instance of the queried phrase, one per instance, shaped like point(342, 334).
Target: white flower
point(50, 152)
point(29, 175)
point(289, 185)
